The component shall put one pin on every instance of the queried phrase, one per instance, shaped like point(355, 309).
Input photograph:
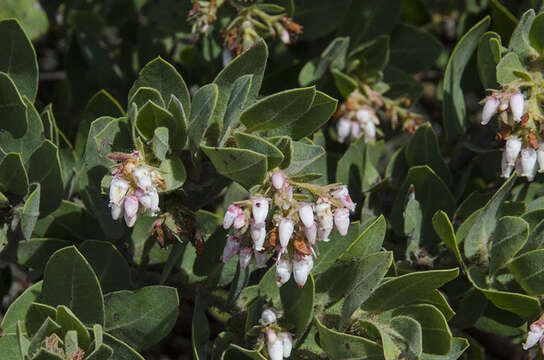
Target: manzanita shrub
point(250, 179)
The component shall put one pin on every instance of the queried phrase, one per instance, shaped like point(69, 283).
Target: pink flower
point(116, 211)
point(131, 210)
point(286, 229)
point(302, 268)
point(278, 179)
point(142, 178)
point(343, 128)
point(283, 271)
point(287, 342)
point(311, 233)
point(324, 214)
point(341, 220)
point(231, 248)
point(528, 163)
point(259, 208)
point(512, 149)
point(260, 259)
point(275, 345)
point(323, 234)
point(232, 212)
point(240, 221)
point(490, 108)
point(535, 334)
point(341, 194)
point(306, 214)
point(268, 317)
point(245, 256)
point(258, 234)
point(516, 105)
point(118, 189)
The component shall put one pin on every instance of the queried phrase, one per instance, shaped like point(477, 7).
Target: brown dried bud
point(301, 247)
point(504, 133)
point(532, 140)
point(524, 119)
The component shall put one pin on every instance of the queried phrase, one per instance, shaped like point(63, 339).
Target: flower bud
point(118, 189)
point(364, 115)
point(131, 206)
point(287, 342)
point(259, 208)
point(232, 212)
point(323, 234)
point(231, 248)
point(260, 259)
point(324, 214)
point(341, 194)
point(355, 130)
point(275, 345)
point(268, 317)
point(506, 170)
point(536, 331)
point(144, 198)
point(528, 163)
point(369, 128)
point(283, 271)
point(302, 268)
point(490, 108)
point(343, 128)
point(116, 211)
point(285, 37)
point(540, 157)
point(258, 234)
point(142, 178)
point(278, 179)
point(516, 105)
point(245, 256)
point(512, 149)
point(240, 221)
point(341, 220)
point(311, 233)
point(306, 214)
point(286, 229)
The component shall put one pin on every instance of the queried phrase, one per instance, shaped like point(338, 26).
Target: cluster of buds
point(134, 188)
point(252, 24)
point(523, 151)
point(358, 115)
point(52, 344)
point(203, 14)
point(295, 226)
point(279, 343)
point(535, 335)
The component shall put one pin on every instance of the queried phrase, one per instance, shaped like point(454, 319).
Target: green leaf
point(121, 351)
point(402, 84)
point(13, 176)
point(372, 56)
point(344, 83)
point(526, 307)
point(411, 334)
point(357, 167)
point(423, 149)
point(246, 167)
point(35, 252)
point(453, 107)
point(278, 109)
point(145, 94)
point(509, 237)
point(330, 251)
point(200, 330)
point(46, 355)
point(151, 117)
point(397, 291)
point(173, 173)
point(298, 303)
point(235, 105)
point(251, 62)
point(260, 145)
point(19, 307)
point(48, 327)
point(18, 59)
point(204, 103)
point(520, 42)
point(13, 108)
point(108, 264)
point(344, 346)
point(436, 334)
point(69, 280)
point(68, 321)
point(535, 34)
point(489, 55)
point(527, 269)
point(101, 352)
point(508, 68)
point(160, 142)
point(162, 76)
point(180, 116)
point(251, 354)
point(333, 57)
point(44, 168)
point(9, 348)
point(30, 13)
point(143, 317)
point(413, 49)
point(502, 20)
point(369, 241)
point(458, 347)
point(367, 272)
point(303, 156)
point(319, 17)
point(444, 229)
point(31, 211)
point(321, 110)
point(36, 315)
point(22, 341)
point(390, 352)
point(486, 221)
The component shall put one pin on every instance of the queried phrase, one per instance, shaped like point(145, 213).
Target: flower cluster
point(535, 335)
point(522, 150)
point(358, 115)
point(295, 225)
point(203, 14)
point(134, 187)
point(279, 343)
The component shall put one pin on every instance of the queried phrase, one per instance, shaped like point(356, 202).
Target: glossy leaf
point(509, 237)
point(13, 108)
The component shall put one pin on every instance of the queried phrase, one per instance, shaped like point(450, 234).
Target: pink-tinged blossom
point(311, 233)
point(355, 130)
point(512, 149)
point(142, 178)
point(274, 345)
point(285, 37)
point(302, 268)
point(506, 170)
point(535, 334)
point(516, 105)
point(323, 234)
point(528, 163)
point(369, 128)
point(258, 234)
point(306, 214)
point(116, 211)
point(260, 259)
point(283, 271)
point(231, 248)
point(118, 189)
point(245, 257)
point(259, 208)
point(364, 115)
point(324, 215)
point(232, 212)
point(286, 229)
point(491, 107)
point(343, 128)
point(131, 206)
point(540, 157)
point(240, 221)
point(341, 195)
point(287, 342)
point(278, 179)
point(341, 220)
point(268, 317)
